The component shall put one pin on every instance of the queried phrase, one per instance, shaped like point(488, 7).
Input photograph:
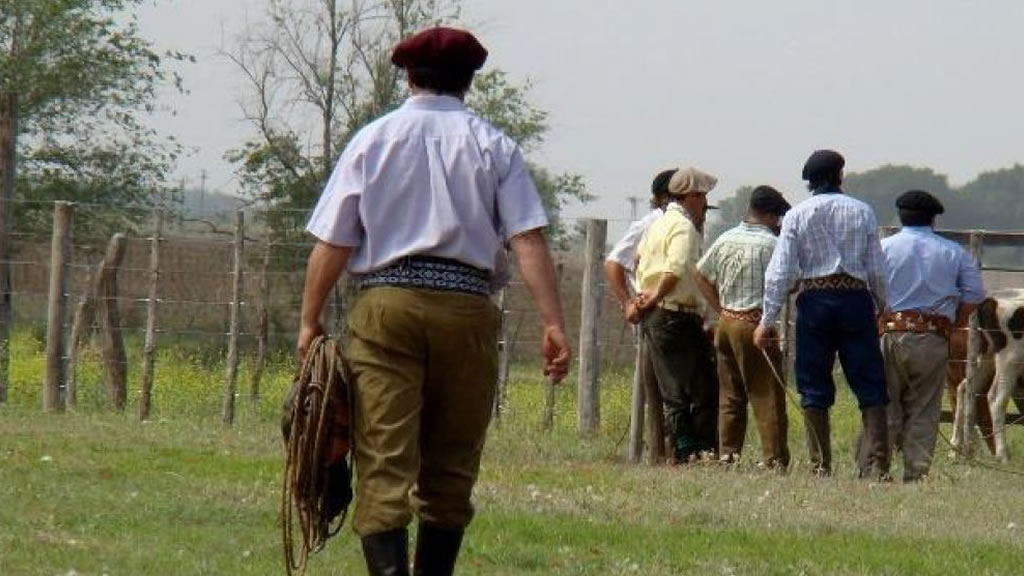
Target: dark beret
point(823, 162)
point(768, 200)
point(919, 201)
point(440, 49)
point(660, 183)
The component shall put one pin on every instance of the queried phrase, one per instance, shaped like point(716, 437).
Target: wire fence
point(228, 287)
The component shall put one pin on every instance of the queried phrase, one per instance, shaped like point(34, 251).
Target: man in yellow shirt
point(670, 304)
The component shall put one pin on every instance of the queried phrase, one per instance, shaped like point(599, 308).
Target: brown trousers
point(915, 373)
point(424, 366)
point(748, 376)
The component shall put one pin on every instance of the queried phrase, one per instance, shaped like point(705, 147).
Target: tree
point(730, 212)
point(74, 77)
point(319, 70)
point(881, 186)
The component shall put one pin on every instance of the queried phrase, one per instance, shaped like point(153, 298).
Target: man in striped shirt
point(731, 277)
point(830, 243)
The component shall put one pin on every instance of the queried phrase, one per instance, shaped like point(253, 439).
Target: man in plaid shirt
point(731, 277)
point(830, 243)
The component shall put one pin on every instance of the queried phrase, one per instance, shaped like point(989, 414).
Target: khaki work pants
point(915, 373)
point(748, 377)
point(424, 366)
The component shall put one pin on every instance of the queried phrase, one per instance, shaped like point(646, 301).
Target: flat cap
point(822, 162)
point(440, 48)
point(919, 201)
point(660, 183)
point(768, 200)
point(690, 180)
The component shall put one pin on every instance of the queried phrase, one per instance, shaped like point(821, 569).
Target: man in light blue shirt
point(934, 284)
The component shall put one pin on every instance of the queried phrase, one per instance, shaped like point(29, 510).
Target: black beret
point(919, 201)
point(768, 200)
point(440, 49)
point(660, 183)
point(823, 162)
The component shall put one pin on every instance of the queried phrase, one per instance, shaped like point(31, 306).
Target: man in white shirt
point(416, 209)
point(619, 269)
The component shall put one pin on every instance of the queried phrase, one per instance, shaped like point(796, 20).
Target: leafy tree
point(319, 70)
point(730, 212)
point(75, 76)
point(881, 186)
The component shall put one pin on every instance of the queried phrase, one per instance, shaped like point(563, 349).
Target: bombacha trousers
point(749, 377)
point(424, 366)
point(684, 365)
point(915, 373)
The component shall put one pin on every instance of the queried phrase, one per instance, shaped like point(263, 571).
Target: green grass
point(94, 493)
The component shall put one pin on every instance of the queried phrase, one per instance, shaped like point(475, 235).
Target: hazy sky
point(744, 90)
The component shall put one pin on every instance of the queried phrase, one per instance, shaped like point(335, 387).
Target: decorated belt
point(914, 321)
point(833, 282)
point(751, 316)
point(674, 307)
point(431, 273)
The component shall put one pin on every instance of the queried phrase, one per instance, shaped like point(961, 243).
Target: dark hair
point(833, 178)
point(916, 218)
point(451, 81)
point(659, 187)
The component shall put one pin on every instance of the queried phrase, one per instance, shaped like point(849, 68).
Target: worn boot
point(387, 553)
point(819, 440)
point(436, 550)
point(877, 451)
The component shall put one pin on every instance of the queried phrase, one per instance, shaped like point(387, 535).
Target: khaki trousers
point(749, 377)
point(915, 374)
point(424, 366)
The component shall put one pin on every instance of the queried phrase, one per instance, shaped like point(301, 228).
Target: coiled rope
point(316, 420)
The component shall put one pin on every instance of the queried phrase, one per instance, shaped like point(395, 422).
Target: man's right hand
point(631, 311)
point(763, 335)
point(308, 332)
point(556, 353)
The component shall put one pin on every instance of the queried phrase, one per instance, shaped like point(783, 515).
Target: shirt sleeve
point(708, 264)
point(519, 206)
point(624, 251)
point(677, 251)
point(877, 269)
point(969, 281)
point(336, 219)
point(780, 270)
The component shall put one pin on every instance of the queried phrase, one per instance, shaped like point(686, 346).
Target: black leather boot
point(436, 550)
point(877, 452)
point(819, 440)
point(387, 553)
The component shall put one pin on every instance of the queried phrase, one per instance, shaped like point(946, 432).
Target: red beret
point(440, 48)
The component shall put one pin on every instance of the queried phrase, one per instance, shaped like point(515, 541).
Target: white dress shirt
point(430, 178)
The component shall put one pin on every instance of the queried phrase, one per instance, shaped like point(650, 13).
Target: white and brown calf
point(1001, 320)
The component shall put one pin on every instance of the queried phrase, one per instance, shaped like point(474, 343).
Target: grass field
point(91, 493)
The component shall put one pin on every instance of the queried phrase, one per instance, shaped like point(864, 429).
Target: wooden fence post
point(114, 359)
point(593, 292)
point(973, 350)
point(228, 413)
point(636, 413)
point(503, 357)
point(57, 305)
point(262, 324)
point(149, 348)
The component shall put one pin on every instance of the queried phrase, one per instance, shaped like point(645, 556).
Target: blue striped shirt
point(929, 273)
point(829, 233)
